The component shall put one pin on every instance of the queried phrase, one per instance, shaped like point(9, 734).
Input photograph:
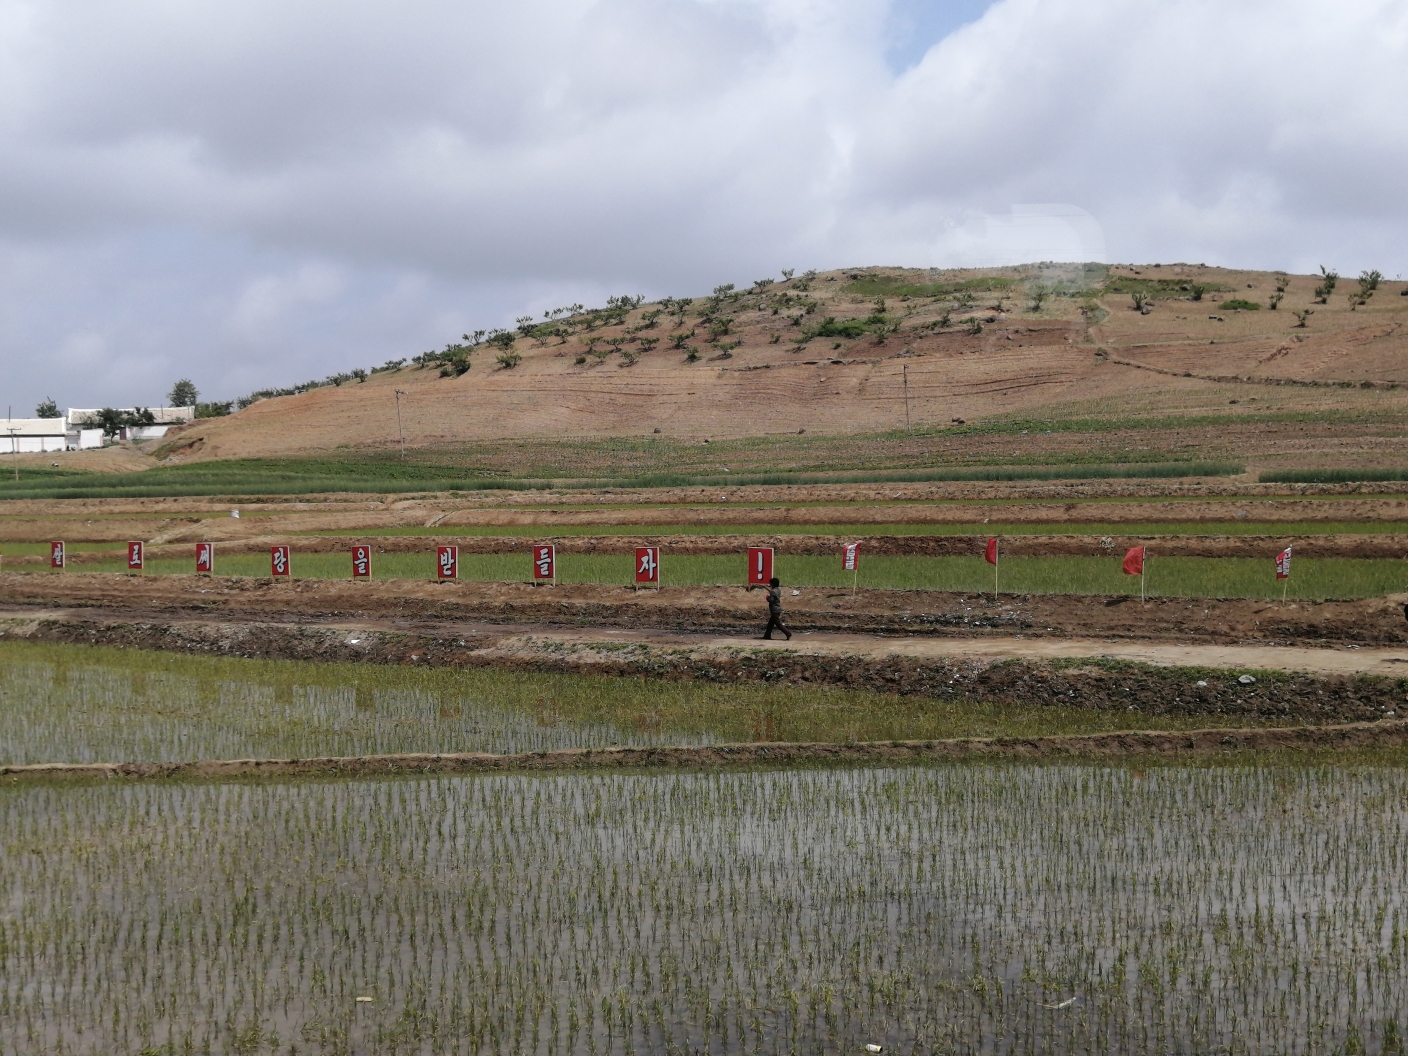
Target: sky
point(255, 193)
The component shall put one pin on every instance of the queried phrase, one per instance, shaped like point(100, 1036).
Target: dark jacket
point(775, 600)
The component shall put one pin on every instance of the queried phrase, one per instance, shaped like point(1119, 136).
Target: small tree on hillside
point(183, 394)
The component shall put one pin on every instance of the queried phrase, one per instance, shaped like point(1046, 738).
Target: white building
point(165, 418)
point(19, 435)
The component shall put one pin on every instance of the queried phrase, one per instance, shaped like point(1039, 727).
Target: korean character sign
point(648, 565)
point(1283, 570)
point(56, 554)
point(205, 557)
point(278, 561)
point(136, 557)
point(759, 565)
point(850, 562)
point(361, 562)
point(545, 562)
point(447, 562)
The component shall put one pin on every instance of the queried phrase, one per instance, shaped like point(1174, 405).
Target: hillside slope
point(834, 353)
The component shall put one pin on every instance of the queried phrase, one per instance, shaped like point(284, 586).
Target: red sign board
point(759, 565)
point(647, 564)
point(136, 557)
point(205, 557)
point(850, 557)
point(361, 562)
point(544, 562)
point(278, 561)
point(447, 562)
point(56, 554)
point(1283, 564)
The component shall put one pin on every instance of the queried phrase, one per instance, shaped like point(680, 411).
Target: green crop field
point(1198, 577)
point(379, 476)
point(979, 532)
point(72, 704)
point(1006, 909)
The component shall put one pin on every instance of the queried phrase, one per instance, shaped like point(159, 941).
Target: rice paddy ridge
point(1217, 741)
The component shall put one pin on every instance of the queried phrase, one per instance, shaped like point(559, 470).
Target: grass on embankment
point(1199, 577)
point(372, 476)
point(90, 704)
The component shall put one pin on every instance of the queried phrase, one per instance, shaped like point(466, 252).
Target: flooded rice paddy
point(967, 909)
point(75, 704)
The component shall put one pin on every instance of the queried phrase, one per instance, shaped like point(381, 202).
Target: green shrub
point(508, 360)
point(1239, 304)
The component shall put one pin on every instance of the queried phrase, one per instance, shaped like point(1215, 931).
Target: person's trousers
point(775, 620)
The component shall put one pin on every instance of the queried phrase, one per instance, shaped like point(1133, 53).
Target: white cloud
point(257, 192)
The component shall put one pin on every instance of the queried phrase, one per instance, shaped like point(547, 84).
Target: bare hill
point(831, 353)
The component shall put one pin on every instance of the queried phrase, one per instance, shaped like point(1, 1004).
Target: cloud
point(257, 193)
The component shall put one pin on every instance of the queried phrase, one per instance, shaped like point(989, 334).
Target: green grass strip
point(1193, 577)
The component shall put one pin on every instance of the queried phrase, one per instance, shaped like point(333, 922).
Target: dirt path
point(520, 639)
point(1346, 661)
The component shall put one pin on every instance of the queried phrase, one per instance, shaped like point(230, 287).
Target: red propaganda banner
point(205, 557)
point(361, 562)
point(447, 562)
point(990, 555)
point(647, 564)
point(1283, 564)
point(850, 557)
point(759, 565)
point(136, 557)
point(56, 554)
point(278, 561)
point(544, 562)
point(1134, 561)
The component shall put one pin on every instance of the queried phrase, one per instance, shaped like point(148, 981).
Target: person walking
point(775, 610)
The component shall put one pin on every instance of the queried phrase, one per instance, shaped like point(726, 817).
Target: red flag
point(991, 555)
point(850, 557)
point(1283, 564)
point(1134, 561)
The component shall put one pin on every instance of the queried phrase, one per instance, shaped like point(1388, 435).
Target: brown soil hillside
point(811, 353)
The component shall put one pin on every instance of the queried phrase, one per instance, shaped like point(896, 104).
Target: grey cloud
point(257, 193)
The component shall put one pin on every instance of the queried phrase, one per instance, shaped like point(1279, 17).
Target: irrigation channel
point(960, 907)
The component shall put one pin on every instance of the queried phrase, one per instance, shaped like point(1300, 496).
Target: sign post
point(1283, 570)
point(447, 562)
point(56, 554)
point(361, 562)
point(991, 556)
point(136, 557)
point(759, 566)
point(205, 558)
point(850, 562)
point(545, 563)
point(648, 566)
point(279, 564)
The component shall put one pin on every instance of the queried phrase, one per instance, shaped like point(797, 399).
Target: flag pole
point(997, 553)
point(1143, 566)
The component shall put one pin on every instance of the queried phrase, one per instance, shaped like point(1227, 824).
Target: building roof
point(32, 427)
point(160, 415)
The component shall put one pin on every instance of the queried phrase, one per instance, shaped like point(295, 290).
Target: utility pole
point(15, 448)
point(399, 433)
point(906, 399)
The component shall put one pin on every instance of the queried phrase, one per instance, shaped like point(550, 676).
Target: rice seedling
point(76, 704)
point(975, 909)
